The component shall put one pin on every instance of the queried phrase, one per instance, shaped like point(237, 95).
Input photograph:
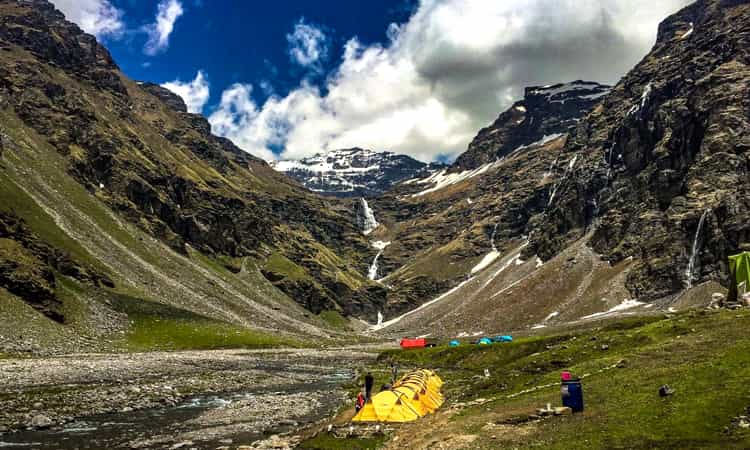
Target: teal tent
point(485, 341)
point(739, 275)
point(454, 343)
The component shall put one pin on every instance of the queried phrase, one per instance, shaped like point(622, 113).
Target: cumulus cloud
point(307, 45)
point(98, 17)
point(239, 119)
point(168, 11)
point(444, 74)
point(195, 93)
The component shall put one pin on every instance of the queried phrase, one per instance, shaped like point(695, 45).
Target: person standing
point(360, 402)
point(369, 382)
point(394, 373)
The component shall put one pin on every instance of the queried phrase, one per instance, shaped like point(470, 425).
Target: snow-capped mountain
point(354, 172)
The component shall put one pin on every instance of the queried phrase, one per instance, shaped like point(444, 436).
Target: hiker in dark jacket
point(369, 381)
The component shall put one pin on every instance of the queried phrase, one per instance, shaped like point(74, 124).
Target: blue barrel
point(572, 395)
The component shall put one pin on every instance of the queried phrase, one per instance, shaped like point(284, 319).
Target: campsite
point(701, 355)
point(383, 225)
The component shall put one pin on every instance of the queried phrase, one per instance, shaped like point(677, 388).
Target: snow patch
point(625, 305)
point(539, 262)
point(544, 140)
point(521, 108)
point(421, 307)
point(689, 32)
point(638, 107)
point(564, 88)
point(444, 179)
point(488, 259)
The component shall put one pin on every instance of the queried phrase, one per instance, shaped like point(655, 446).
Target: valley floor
point(704, 356)
point(167, 399)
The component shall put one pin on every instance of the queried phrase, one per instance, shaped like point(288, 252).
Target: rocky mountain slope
point(354, 172)
point(546, 112)
point(661, 171)
point(110, 188)
point(636, 206)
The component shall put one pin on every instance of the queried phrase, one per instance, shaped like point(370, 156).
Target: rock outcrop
point(546, 112)
point(28, 266)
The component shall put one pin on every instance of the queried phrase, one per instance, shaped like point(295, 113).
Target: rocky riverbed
point(169, 400)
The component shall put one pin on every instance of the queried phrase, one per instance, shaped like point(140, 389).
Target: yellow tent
point(415, 395)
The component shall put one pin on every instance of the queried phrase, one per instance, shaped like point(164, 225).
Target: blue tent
point(454, 343)
point(503, 339)
point(485, 341)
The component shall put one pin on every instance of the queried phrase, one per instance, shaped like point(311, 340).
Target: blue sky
point(251, 37)
point(292, 78)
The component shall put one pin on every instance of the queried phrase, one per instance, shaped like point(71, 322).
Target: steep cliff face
point(137, 153)
point(354, 172)
point(545, 113)
point(652, 179)
point(662, 164)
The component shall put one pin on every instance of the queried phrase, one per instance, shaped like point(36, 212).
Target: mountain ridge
point(354, 172)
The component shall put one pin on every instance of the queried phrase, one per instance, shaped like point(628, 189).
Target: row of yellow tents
point(415, 395)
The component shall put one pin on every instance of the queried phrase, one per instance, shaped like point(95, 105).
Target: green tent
point(739, 275)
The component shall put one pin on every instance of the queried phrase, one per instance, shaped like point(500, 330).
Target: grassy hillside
point(109, 187)
point(702, 355)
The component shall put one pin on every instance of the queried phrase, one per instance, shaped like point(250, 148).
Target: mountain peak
point(544, 111)
point(353, 172)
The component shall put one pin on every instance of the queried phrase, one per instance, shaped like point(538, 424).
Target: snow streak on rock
point(625, 305)
point(444, 179)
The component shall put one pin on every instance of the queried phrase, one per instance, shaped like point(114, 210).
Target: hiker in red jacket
point(360, 402)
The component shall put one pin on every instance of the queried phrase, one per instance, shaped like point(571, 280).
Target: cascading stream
point(372, 273)
point(696, 247)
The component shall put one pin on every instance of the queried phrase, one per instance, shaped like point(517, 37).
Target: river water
point(201, 422)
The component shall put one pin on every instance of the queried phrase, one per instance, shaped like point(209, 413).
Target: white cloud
point(447, 72)
point(307, 45)
point(195, 93)
point(98, 17)
point(168, 11)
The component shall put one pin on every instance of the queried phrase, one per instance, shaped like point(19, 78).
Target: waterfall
point(696, 246)
point(367, 218)
point(492, 238)
point(556, 186)
point(380, 318)
point(372, 273)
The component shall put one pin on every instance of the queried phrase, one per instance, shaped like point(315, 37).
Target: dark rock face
point(543, 113)
point(27, 266)
point(160, 167)
point(354, 172)
point(45, 33)
point(169, 98)
point(662, 165)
